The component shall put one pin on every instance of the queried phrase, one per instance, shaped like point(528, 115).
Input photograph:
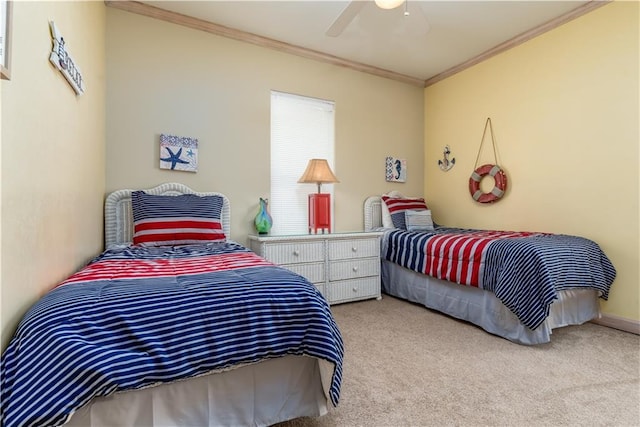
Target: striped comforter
point(136, 317)
point(524, 270)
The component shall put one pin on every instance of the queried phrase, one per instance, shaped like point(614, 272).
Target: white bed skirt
point(260, 394)
point(482, 308)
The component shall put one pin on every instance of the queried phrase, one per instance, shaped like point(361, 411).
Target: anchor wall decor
point(445, 164)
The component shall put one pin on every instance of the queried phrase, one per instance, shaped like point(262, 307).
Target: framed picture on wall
point(395, 169)
point(5, 39)
point(178, 153)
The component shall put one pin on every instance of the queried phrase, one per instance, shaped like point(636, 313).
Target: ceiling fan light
point(388, 4)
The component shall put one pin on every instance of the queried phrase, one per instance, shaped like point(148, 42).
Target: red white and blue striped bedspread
point(524, 270)
point(140, 316)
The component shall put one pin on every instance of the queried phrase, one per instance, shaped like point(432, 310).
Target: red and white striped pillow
point(176, 220)
point(398, 206)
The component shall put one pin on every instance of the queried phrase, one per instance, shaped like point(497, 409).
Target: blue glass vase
point(263, 220)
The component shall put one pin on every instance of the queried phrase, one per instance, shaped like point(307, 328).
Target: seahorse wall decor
point(445, 164)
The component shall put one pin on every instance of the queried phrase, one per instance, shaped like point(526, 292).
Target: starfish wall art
point(178, 153)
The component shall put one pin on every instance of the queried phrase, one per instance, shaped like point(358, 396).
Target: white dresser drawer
point(314, 272)
point(342, 266)
point(295, 252)
point(353, 268)
point(354, 248)
point(354, 289)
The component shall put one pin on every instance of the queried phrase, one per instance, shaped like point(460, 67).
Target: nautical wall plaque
point(395, 169)
point(61, 59)
point(446, 163)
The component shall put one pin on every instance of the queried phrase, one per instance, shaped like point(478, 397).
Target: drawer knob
point(355, 289)
point(296, 253)
point(355, 269)
point(354, 249)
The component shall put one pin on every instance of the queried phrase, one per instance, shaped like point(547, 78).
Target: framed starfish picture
point(178, 153)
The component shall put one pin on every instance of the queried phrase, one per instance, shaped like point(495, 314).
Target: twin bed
point(175, 324)
point(183, 327)
point(517, 285)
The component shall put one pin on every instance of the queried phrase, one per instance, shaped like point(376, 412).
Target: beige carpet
point(408, 366)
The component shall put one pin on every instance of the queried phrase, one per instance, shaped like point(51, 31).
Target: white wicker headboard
point(118, 217)
point(372, 213)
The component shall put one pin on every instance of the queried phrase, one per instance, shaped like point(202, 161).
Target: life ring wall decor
point(492, 170)
point(498, 190)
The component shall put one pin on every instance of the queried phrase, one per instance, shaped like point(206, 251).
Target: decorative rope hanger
point(492, 170)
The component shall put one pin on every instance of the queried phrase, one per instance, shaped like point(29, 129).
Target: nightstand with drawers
point(343, 266)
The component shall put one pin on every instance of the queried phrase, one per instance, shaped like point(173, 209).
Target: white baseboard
point(617, 322)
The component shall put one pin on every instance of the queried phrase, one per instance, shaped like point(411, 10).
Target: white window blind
point(302, 128)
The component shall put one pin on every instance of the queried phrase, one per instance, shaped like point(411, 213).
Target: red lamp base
point(319, 212)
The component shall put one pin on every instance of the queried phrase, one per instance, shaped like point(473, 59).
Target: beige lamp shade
point(318, 172)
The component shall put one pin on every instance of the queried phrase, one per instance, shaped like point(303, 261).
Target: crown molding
point(232, 33)
point(518, 40)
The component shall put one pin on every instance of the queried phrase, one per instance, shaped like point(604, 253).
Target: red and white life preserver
point(498, 190)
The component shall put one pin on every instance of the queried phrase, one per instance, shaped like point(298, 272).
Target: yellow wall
point(3, 340)
point(164, 78)
point(564, 108)
point(53, 145)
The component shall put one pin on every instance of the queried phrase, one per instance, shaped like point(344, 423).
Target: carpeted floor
point(408, 366)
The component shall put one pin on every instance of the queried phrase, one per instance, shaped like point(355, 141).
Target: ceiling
point(434, 39)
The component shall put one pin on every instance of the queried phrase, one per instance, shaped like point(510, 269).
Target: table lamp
point(318, 172)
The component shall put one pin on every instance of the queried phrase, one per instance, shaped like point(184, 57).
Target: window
point(302, 128)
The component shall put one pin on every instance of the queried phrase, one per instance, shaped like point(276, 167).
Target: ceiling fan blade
point(345, 17)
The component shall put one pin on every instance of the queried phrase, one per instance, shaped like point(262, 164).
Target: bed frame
point(482, 308)
point(258, 394)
